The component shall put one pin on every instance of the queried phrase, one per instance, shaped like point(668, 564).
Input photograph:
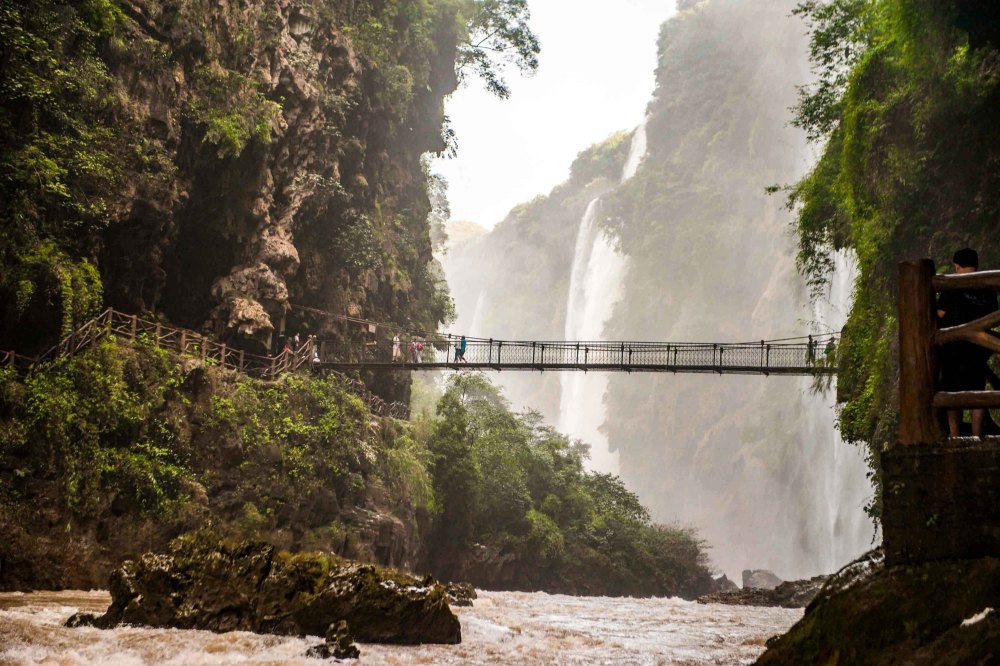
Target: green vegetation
point(510, 484)
point(157, 445)
point(68, 144)
point(123, 429)
point(136, 135)
point(908, 105)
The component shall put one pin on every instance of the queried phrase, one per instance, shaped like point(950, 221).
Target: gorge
point(678, 241)
point(257, 178)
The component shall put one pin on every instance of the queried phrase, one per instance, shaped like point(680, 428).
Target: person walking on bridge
point(964, 364)
point(396, 352)
point(460, 350)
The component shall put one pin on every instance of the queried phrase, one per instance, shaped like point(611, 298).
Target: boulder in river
point(203, 583)
point(761, 579)
point(339, 644)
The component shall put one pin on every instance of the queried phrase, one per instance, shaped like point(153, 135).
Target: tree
point(499, 36)
point(456, 477)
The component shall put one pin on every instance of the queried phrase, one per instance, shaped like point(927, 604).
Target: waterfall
point(842, 530)
point(596, 284)
point(476, 327)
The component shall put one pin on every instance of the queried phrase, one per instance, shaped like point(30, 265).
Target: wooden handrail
point(989, 280)
point(967, 400)
point(112, 322)
point(918, 340)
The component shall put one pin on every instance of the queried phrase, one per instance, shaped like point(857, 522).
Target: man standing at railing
point(964, 364)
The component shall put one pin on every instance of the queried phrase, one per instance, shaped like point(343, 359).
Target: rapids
point(502, 627)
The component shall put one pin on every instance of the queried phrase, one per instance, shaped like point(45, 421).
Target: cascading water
point(842, 488)
point(476, 327)
point(596, 284)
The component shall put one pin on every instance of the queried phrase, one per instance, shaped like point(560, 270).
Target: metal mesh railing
point(811, 355)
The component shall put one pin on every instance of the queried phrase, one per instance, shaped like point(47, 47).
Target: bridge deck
point(780, 358)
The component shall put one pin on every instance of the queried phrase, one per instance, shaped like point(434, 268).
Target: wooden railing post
point(241, 360)
point(134, 326)
point(159, 333)
point(917, 421)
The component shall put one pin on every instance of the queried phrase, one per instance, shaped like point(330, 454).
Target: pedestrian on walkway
point(396, 353)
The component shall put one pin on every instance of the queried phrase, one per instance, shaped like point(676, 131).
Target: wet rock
point(790, 594)
point(338, 645)
point(931, 614)
point(81, 619)
point(760, 578)
point(723, 584)
point(461, 594)
point(202, 583)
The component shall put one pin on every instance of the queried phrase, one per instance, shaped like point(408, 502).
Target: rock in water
point(461, 594)
point(338, 645)
point(202, 583)
point(760, 579)
point(790, 594)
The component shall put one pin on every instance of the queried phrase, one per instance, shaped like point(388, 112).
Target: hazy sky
point(595, 78)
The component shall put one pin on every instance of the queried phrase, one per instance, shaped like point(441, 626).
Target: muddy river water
point(502, 628)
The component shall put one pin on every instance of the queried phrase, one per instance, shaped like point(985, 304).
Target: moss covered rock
point(203, 583)
point(938, 613)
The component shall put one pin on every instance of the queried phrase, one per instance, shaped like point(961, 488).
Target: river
point(502, 628)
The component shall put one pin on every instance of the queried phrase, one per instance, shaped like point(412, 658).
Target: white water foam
point(501, 628)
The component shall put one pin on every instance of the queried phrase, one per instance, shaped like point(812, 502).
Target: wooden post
point(241, 360)
point(917, 421)
point(223, 354)
point(159, 329)
point(184, 340)
point(134, 326)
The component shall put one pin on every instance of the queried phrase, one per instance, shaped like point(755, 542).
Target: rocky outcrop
point(339, 644)
point(283, 141)
point(760, 578)
point(788, 594)
point(939, 613)
point(202, 583)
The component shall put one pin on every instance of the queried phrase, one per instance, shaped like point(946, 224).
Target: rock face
point(789, 594)
point(281, 161)
point(939, 613)
point(203, 584)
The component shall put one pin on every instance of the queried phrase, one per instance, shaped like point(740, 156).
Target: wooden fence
point(189, 343)
point(919, 337)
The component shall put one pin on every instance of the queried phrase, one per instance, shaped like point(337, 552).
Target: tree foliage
point(515, 485)
point(499, 37)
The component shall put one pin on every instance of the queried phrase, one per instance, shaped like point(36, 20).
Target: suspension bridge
point(808, 355)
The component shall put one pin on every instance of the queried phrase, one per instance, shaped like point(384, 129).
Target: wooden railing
point(919, 399)
point(190, 343)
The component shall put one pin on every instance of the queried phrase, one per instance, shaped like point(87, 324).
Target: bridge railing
point(815, 353)
point(920, 420)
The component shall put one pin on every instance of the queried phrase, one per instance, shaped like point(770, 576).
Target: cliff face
point(262, 153)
